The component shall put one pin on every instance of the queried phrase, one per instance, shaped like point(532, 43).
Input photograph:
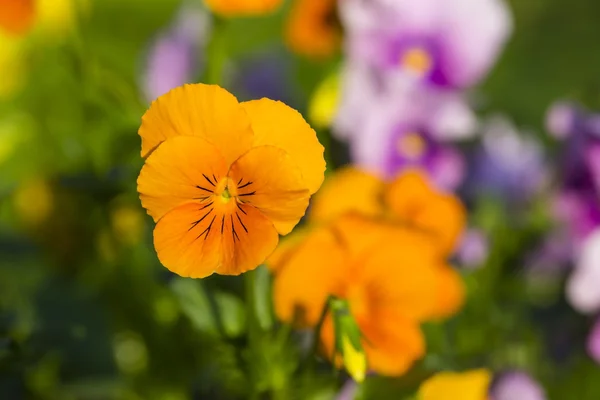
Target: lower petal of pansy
point(188, 241)
point(197, 240)
point(450, 292)
point(268, 179)
point(183, 169)
point(392, 343)
point(306, 279)
point(248, 238)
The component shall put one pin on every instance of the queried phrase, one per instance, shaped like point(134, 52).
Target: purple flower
point(593, 343)
point(517, 386)
point(473, 249)
point(446, 43)
point(411, 129)
point(173, 56)
point(510, 164)
point(582, 286)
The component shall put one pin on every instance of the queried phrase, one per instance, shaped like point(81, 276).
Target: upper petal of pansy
point(182, 169)
point(268, 179)
point(474, 32)
point(307, 278)
point(276, 124)
point(348, 190)
point(411, 199)
point(206, 111)
point(471, 385)
point(17, 15)
point(198, 239)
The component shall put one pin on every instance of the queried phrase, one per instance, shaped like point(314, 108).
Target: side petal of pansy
point(205, 111)
point(450, 292)
point(307, 278)
point(348, 190)
point(277, 124)
point(267, 178)
point(411, 199)
point(185, 169)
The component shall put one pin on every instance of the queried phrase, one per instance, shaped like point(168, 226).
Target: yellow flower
point(324, 102)
point(313, 29)
point(230, 8)
point(471, 385)
point(223, 179)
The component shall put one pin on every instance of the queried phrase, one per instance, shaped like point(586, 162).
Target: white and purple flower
point(446, 43)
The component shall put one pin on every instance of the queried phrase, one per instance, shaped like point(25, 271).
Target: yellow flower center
point(417, 59)
point(411, 145)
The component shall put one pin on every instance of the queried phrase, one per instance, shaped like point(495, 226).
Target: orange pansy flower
point(313, 29)
point(231, 8)
point(16, 16)
point(408, 201)
point(223, 179)
point(387, 274)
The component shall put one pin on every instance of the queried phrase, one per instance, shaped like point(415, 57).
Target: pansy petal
point(276, 124)
point(349, 190)
point(402, 274)
point(450, 292)
point(268, 179)
point(287, 246)
point(248, 239)
point(197, 240)
point(471, 385)
point(188, 242)
point(305, 281)
point(413, 201)
point(181, 170)
point(206, 111)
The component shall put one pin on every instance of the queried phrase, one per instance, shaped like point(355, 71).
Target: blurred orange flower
point(230, 8)
point(16, 16)
point(388, 274)
point(313, 29)
point(223, 179)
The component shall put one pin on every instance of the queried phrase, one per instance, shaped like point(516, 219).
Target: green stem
point(252, 325)
point(216, 52)
point(311, 357)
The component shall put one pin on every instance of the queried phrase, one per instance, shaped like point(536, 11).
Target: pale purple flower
point(509, 164)
point(412, 129)
point(348, 391)
point(174, 56)
point(593, 343)
point(447, 43)
point(473, 249)
point(517, 386)
point(560, 119)
point(582, 286)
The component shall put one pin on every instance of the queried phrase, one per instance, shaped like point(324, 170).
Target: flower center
point(411, 146)
point(417, 59)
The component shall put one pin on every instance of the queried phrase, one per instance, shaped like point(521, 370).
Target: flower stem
point(217, 53)
point(252, 326)
point(314, 349)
